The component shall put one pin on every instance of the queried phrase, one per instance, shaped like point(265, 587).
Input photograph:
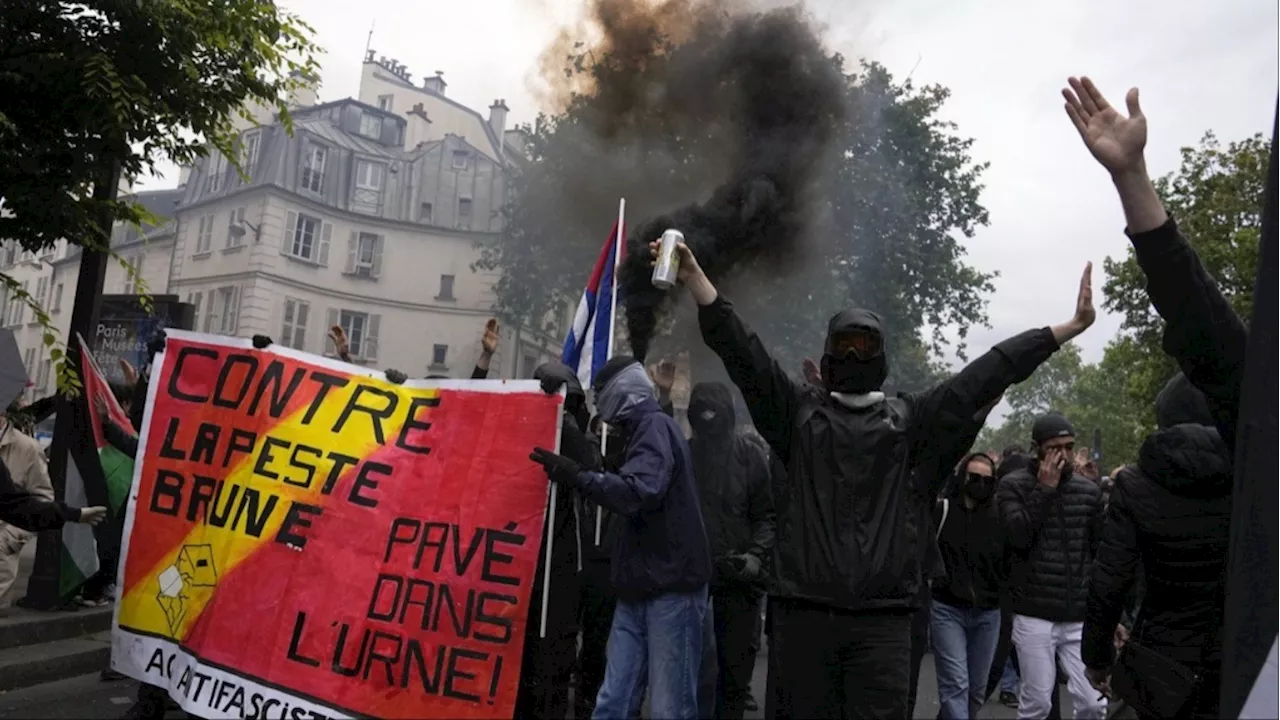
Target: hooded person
point(965, 609)
point(1052, 516)
point(548, 661)
point(850, 541)
point(1170, 517)
point(661, 564)
point(734, 491)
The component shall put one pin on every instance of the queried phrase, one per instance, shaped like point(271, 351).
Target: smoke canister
point(667, 265)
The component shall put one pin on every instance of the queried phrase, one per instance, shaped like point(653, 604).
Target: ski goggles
point(861, 343)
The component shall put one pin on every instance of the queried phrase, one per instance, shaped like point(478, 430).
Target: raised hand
point(1086, 314)
point(489, 342)
point(812, 373)
point(664, 375)
point(130, 374)
point(1116, 141)
point(340, 346)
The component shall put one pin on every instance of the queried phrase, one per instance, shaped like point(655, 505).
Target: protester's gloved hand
point(395, 376)
point(559, 468)
point(261, 341)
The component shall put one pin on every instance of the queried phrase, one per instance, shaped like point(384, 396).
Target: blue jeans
point(656, 642)
point(1009, 680)
point(964, 643)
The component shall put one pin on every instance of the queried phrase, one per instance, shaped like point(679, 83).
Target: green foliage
point(1094, 397)
point(1216, 196)
point(93, 91)
point(899, 190)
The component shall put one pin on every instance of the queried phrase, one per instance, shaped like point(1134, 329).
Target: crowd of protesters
point(866, 517)
point(878, 532)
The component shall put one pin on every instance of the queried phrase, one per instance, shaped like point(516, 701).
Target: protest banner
point(307, 540)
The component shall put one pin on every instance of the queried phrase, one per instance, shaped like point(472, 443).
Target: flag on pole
point(590, 341)
point(99, 464)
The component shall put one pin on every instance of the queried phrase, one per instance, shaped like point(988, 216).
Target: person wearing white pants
point(1052, 519)
point(1042, 646)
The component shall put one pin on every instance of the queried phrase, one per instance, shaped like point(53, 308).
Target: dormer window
point(371, 126)
point(459, 160)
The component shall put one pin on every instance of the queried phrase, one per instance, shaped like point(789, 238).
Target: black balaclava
point(980, 489)
point(711, 413)
point(1181, 403)
point(575, 401)
point(1049, 426)
point(848, 374)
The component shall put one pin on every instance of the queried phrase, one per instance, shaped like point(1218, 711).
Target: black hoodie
point(1171, 514)
point(971, 542)
point(732, 474)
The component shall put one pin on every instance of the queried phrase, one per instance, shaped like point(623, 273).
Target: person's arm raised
point(1202, 332)
point(771, 395)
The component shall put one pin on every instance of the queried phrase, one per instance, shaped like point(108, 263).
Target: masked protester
point(1052, 517)
point(849, 545)
point(965, 616)
point(1170, 517)
point(597, 597)
point(949, 453)
point(661, 563)
point(548, 661)
point(737, 505)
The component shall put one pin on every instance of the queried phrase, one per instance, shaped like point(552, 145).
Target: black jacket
point(562, 610)
point(732, 473)
point(29, 512)
point(1202, 332)
point(971, 542)
point(1051, 534)
point(1171, 514)
point(856, 522)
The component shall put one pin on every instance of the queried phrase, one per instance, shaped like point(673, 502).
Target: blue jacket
point(661, 543)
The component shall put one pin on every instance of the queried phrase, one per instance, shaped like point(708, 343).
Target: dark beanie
point(1181, 403)
point(1049, 426)
point(610, 369)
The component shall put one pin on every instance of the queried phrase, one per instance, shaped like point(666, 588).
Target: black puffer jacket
point(856, 519)
point(1172, 514)
point(1052, 534)
point(732, 473)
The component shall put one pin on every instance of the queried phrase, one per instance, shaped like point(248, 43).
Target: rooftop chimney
point(498, 119)
point(418, 128)
point(368, 56)
point(435, 84)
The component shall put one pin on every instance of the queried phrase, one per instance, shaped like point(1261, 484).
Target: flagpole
point(613, 325)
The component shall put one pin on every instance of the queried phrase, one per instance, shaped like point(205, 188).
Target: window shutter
point(371, 338)
point(377, 255)
point(290, 227)
point(325, 232)
point(286, 329)
point(300, 312)
point(331, 319)
point(353, 246)
point(212, 320)
point(233, 323)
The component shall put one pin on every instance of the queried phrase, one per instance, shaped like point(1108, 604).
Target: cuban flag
point(589, 344)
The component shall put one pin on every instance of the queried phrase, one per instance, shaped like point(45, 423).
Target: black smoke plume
point(771, 97)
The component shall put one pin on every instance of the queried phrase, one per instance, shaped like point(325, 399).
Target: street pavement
point(86, 697)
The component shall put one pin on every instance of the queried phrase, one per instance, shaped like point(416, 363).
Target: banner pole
point(551, 527)
point(613, 319)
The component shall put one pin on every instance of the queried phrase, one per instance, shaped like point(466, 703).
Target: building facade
point(370, 216)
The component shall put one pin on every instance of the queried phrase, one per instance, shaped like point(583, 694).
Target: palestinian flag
point(99, 466)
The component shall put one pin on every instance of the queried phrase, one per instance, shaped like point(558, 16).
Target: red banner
point(306, 537)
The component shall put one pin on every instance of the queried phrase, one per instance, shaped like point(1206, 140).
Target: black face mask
point(979, 487)
point(851, 375)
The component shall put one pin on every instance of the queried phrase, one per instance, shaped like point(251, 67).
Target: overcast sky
point(1200, 65)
